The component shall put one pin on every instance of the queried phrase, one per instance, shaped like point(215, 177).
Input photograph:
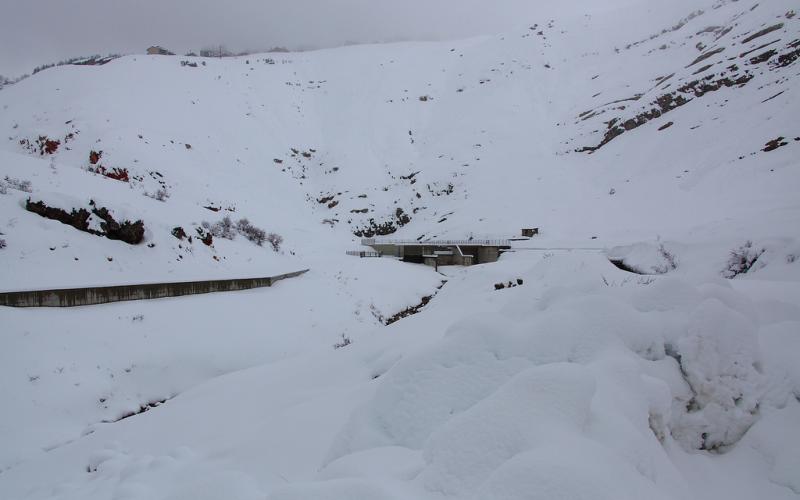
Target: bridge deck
point(436, 243)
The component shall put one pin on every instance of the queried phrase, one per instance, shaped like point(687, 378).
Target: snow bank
point(719, 357)
point(597, 375)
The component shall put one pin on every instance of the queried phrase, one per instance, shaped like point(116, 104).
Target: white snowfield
point(664, 366)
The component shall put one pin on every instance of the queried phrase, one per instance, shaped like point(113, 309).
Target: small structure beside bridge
point(530, 232)
point(440, 252)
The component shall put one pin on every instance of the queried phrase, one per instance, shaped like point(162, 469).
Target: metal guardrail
point(600, 249)
point(473, 242)
point(362, 253)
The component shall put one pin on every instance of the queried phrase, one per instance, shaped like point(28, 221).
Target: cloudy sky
point(34, 32)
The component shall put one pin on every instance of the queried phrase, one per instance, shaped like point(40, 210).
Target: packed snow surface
point(643, 345)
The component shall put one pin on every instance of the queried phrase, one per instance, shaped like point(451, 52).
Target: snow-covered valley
point(646, 348)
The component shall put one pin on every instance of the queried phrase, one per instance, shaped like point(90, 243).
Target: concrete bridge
point(441, 252)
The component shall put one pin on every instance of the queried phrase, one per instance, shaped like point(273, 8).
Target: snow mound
point(541, 405)
point(551, 395)
point(719, 357)
point(644, 258)
point(182, 473)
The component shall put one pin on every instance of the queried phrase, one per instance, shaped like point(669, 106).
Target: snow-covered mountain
point(663, 138)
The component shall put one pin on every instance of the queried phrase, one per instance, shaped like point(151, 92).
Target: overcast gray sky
point(34, 32)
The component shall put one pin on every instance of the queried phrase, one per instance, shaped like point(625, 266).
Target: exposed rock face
point(756, 60)
point(668, 102)
point(788, 57)
point(762, 32)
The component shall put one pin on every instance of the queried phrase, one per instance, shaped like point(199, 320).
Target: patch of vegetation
point(374, 228)
point(16, 184)
point(409, 311)
point(510, 284)
point(774, 144)
point(228, 230)
point(742, 260)
point(42, 145)
point(127, 231)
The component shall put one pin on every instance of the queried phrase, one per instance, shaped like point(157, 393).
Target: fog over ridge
point(35, 32)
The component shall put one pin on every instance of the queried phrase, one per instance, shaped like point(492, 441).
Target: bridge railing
point(472, 242)
point(362, 253)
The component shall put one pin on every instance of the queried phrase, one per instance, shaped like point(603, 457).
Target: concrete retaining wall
point(69, 297)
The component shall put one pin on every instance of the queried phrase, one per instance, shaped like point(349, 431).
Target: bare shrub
point(160, 195)
point(178, 232)
point(251, 232)
point(670, 262)
point(206, 237)
point(18, 184)
point(275, 240)
point(742, 260)
point(222, 229)
point(344, 342)
point(227, 229)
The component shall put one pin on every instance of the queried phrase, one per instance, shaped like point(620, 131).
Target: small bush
point(251, 232)
point(742, 260)
point(206, 238)
point(160, 195)
point(225, 228)
point(178, 232)
point(127, 231)
point(19, 185)
point(344, 343)
point(222, 229)
point(670, 262)
point(275, 240)
point(2, 243)
point(43, 145)
point(118, 174)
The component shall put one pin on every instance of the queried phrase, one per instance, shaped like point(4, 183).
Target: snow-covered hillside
point(648, 349)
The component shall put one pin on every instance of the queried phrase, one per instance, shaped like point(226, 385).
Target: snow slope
point(636, 133)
